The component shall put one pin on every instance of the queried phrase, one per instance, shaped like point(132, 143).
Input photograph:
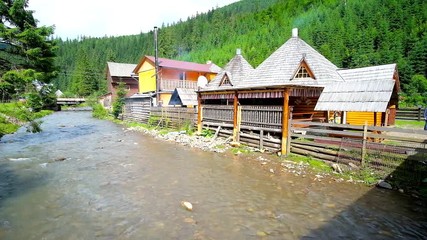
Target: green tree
point(23, 47)
point(119, 102)
point(84, 78)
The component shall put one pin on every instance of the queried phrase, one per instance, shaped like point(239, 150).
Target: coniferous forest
point(350, 33)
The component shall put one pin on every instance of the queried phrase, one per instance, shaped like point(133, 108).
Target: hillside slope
point(350, 33)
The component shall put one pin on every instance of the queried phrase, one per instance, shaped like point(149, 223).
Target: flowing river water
point(83, 178)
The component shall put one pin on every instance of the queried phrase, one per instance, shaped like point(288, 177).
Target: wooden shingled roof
point(366, 89)
point(236, 70)
point(280, 67)
point(361, 89)
point(183, 97)
point(120, 69)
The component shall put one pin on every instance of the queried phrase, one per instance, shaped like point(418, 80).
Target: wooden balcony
point(171, 84)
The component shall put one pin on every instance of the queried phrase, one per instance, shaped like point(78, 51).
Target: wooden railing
point(217, 113)
point(262, 116)
point(171, 84)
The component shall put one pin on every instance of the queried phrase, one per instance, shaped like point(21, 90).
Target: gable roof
point(279, 67)
point(183, 97)
point(367, 89)
point(120, 69)
point(360, 96)
point(237, 69)
point(387, 72)
point(181, 65)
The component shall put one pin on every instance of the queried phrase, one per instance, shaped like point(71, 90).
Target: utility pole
point(156, 63)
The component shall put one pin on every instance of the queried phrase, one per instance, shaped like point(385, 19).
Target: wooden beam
point(199, 114)
point(235, 118)
point(285, 121)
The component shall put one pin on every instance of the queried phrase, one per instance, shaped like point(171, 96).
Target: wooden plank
point(334, 125)
point(285, 119)
point(335, 132)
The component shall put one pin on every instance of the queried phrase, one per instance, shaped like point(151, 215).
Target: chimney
point(238, 51)
point(294, 32)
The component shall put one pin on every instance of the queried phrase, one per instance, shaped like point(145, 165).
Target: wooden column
point(235, 118)
point(199, 113)
point(285, 121)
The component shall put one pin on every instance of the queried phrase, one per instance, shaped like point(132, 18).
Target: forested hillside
point(351, 33)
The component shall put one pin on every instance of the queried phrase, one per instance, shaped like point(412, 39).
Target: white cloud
point(98, 18)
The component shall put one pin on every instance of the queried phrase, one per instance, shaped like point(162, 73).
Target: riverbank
point(270, 161)
point(274, 163)
point(15, 115)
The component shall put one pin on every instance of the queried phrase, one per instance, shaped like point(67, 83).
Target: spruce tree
point(23, 46)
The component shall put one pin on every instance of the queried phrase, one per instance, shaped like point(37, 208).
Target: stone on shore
point(384, 184)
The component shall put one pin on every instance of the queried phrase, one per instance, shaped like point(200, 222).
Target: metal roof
point(190, 66)
point(120, 69)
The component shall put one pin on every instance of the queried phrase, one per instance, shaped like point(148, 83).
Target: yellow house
point(172, 74)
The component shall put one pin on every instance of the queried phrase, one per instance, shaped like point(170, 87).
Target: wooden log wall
point(137, 110)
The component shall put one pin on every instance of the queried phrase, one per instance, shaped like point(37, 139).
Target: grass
point(242, 149)
point(18, 111)
point(315, 164)
point(409, 124)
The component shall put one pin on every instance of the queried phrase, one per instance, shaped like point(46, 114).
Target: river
point(83, 178)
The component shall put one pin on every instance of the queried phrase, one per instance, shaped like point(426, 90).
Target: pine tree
point(23, 46)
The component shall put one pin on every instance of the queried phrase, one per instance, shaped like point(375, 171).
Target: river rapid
point(83, 178)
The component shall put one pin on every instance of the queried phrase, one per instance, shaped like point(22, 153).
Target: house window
point(225, 81)
point(302, 73)
point(182, 76)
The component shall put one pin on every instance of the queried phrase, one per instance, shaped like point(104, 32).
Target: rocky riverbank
point(268, 160)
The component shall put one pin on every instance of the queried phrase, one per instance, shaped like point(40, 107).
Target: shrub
point(98, 111)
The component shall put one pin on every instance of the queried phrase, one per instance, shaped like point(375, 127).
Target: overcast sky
point(98, 18)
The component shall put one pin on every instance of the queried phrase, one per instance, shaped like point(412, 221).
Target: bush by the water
point(15, 114)
point(99, 111)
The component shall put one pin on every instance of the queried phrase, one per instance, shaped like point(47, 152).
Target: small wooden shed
point(367, 95)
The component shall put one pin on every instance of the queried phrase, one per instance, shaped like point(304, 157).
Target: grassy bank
point(14, 115)
point(412, 124)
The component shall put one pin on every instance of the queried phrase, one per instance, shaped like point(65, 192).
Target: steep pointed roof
point(237, 69)
point(280, 67)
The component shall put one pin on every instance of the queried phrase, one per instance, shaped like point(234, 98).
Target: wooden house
point(294, 77)
point(116, 73)
point(172, 74)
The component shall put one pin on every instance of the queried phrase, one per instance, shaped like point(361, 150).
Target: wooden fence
point(259, 126)
point(176, 117)
point(387, 150)
point(218, 114)
point(416, 114)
